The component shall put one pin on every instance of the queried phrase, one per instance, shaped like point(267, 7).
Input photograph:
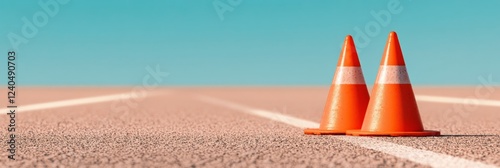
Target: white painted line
point(297, 122)
point(453, 100)
point(74, 102)
point(416, 155)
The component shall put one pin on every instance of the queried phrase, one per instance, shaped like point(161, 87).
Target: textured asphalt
point(172, 128)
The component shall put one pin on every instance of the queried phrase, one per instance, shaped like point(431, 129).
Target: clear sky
point(245, 42)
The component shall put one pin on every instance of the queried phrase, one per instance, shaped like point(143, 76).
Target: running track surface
point(239, 127)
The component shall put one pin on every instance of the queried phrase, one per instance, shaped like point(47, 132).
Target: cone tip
point(348, 39)
point(348, 56)
point(393, 54)
point(393, 35)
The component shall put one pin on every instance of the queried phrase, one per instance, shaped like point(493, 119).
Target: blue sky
point(258, 42)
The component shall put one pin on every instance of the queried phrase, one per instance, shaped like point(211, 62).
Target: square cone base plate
point(389, 133)
point(316, 131)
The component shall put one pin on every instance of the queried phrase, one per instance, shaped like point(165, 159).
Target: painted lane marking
point(74, 102)
point(453, 100)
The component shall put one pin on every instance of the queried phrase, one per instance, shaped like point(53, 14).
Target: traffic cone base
point(316, 131)
point(383, 133)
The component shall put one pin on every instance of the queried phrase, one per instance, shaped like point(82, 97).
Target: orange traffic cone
point(348, 96)
point(393, 110)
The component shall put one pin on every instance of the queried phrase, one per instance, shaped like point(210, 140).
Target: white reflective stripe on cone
point(349, 75)
point(393, 75)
